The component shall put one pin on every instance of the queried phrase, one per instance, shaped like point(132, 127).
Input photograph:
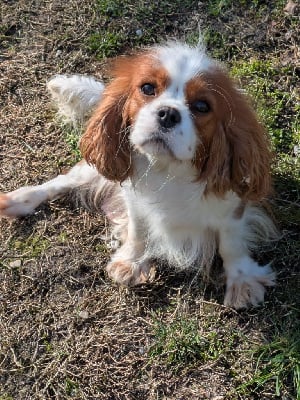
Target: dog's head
point(175, 103)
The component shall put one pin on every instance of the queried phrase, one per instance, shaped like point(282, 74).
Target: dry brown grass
point(65, 330)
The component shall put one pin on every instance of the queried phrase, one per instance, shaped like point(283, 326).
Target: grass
point(105, 43)
point(72, 136)
point(125, 25)
point(217, 7)
point(65, 330)
point(277, 361)
point(71, 387)
point(32, 246)
point(265, 84)
point(182, 342)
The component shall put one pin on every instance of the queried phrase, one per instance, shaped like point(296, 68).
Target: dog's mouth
point(158, 145)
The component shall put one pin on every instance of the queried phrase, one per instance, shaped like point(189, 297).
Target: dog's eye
point(148, 89)
point(201, 106)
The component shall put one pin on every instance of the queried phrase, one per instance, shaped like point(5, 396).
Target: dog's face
point(163, 125)
point(168, 102)
point(176, 103)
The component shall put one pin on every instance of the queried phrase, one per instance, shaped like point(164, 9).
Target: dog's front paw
point(247, 286)
point(129, 274)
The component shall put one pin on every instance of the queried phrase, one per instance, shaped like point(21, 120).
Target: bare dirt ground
point(66, 331)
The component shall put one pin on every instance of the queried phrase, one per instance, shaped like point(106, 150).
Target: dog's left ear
point(251, 155)
point(238, 155)
point(105, 144)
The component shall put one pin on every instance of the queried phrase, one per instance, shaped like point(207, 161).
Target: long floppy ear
point(105, 144)
point(250, 170)
point(238, 154)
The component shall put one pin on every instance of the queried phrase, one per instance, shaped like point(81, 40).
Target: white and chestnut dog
point(180, 163)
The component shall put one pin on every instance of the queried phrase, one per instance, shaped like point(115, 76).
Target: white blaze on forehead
point(183, 62)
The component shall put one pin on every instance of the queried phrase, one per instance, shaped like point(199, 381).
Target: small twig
point(287, 201)
point(15, 359)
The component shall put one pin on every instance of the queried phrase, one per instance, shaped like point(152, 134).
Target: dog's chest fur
point(175, 214)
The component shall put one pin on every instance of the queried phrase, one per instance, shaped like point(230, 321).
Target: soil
point(66, 331)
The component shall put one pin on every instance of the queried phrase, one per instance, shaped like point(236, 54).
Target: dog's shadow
point(170, 284)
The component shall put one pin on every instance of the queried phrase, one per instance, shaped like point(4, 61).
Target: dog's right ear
point(105, 144)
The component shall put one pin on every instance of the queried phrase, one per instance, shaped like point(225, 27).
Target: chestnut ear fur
point(238, 154)
point(105, 144)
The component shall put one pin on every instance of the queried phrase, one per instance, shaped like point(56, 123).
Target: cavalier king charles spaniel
point(177, 160)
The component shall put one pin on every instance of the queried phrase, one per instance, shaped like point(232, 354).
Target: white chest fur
point(178, 218)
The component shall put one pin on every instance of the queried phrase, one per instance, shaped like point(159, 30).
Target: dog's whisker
point(145, 174)
point(168, 179)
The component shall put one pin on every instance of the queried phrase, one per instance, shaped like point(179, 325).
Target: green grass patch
point(277, 107)
point(102, 248)
point(71, 387)
point(215, 42)
point(105, 43)
point(33, 246)
point(124, 24)
point(72, 136)
point(279, 362)
point(181, 342)
point(217, 8)
point(287, 175)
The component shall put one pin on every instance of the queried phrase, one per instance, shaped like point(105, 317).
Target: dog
point(175, 156)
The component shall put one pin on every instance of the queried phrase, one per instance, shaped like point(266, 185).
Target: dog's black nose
point(168, 117)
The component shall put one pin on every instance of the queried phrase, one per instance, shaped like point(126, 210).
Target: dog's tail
point(75, 96)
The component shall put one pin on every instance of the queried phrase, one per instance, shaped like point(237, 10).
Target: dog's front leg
point(128, 267)
point(25, 200)
point(245, 279)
